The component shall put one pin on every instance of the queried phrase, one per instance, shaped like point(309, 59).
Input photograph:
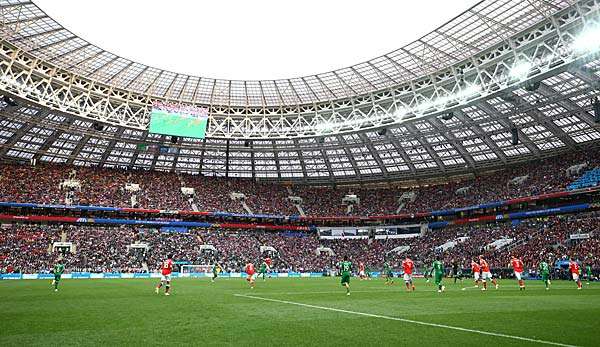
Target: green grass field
point(307, 311)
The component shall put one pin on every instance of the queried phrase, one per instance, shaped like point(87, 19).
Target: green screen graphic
point(177, 123)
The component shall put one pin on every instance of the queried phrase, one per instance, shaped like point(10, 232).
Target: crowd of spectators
point(28, 248)
point(99, 186)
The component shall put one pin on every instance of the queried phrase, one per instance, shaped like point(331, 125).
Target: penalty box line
point(443, 326)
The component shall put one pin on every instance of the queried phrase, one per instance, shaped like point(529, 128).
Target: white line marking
point(481, 332)
point(331, 292)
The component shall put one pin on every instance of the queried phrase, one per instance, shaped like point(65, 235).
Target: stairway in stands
point(590, 178)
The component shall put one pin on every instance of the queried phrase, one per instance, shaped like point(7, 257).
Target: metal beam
point(111, 146)
point(301, 158)
point(15, 4)
point(452, 140)
point(495, 115)
point(50, 44)
point(549, 92)
point(484, 135)
point(350, 156)
point(50, 139)
point(327, 163)
point(78, 148)
point(534, 112)
point(394, 141)
point(369, 144)
point(585, 74)
point(20, 21)
point(36, 34)
point(29, 123)
point(425, 144)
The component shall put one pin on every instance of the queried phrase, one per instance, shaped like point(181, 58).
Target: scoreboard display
point(178, 120)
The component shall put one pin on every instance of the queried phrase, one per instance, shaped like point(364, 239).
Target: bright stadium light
point(587, 40)
point(521, 70)
point(324, 127)
point(403, 113)
point(400, 112)
point(469, 91)
point(466, 92)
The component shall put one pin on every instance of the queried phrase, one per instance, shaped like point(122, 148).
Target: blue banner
point(119, 275)
point(11, 276)
point(45, 276)
point(169, 229)
point(112, 275)
point(81, 275)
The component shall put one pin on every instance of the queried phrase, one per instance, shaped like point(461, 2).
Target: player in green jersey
point(544, 269)
point(588, 273)
point(262, 271)
point(389, 275)
point(58, 270)
point(216, 269)
point(437, 270)
point(346, 269)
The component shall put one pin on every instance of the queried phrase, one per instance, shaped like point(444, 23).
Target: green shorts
point(390, 275)
point(57, 277)
point(345, 278)
point(438, 279)
point(545, 277)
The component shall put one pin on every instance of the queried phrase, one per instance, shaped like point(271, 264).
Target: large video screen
point(178, 120)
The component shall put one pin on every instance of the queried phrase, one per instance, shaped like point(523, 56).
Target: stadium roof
point(484, 25)
point(549, 106)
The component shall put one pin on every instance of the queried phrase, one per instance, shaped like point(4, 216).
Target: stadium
point(445, 192)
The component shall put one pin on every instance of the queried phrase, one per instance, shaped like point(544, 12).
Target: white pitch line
point(330, 292)
point(481, 332)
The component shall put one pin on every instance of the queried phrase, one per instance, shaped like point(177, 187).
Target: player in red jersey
point(251, 274)
point(574, 269)
point(166, 269)
point(486, 274)
point(408, 266)
point(361, 271)
point(269, 262)
point(517, 265)
point(476, 272)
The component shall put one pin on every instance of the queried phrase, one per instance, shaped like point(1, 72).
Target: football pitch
point(299, 311)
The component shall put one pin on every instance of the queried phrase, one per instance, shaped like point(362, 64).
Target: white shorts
point(476, 275)
point(575, 276)
point(166, 278)
point(518, 275)
point(407, 278)
point(362, 273)
point(486, 276)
